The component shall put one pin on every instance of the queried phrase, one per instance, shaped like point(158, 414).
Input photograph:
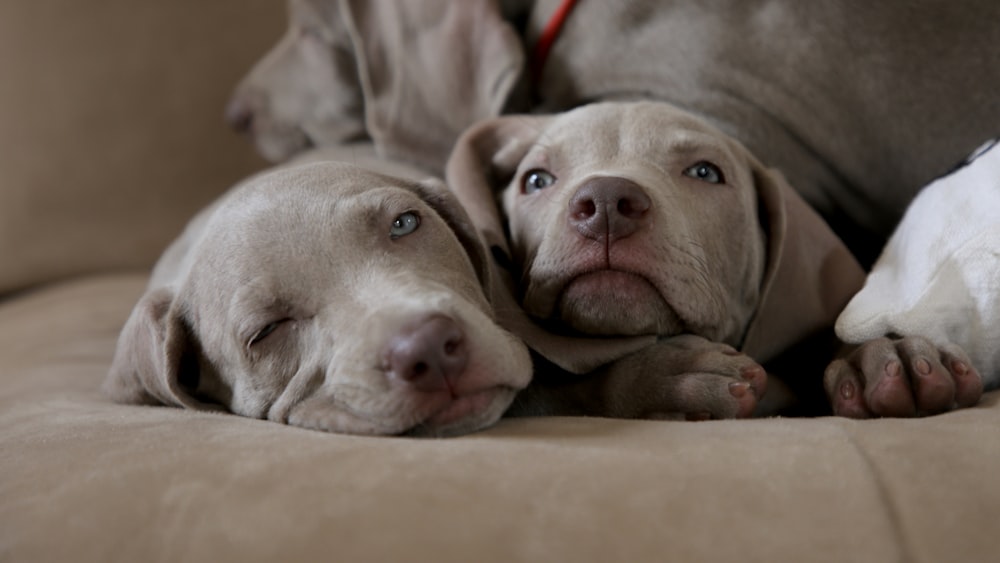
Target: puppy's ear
point(428, 69)
point(155, 362)
point(809, 276)
point(437, 195)
point(482, 164)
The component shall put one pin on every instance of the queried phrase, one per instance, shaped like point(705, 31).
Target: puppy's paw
point(907, 377)
point(688, 377)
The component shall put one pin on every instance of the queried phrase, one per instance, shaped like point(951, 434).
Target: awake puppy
point(325, 296)
point(630, 219)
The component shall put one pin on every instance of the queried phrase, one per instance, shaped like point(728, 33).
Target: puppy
point(325, 296)
point(642, 219)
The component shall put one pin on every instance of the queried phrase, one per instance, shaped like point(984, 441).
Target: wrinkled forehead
point(317, 176)
point(635, 131)
point(316, 208)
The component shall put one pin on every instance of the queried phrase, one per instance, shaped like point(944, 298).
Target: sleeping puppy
point(325, 296)
point(629, 219)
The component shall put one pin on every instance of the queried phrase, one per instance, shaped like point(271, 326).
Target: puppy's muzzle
point(608, 208)
point(429, 354)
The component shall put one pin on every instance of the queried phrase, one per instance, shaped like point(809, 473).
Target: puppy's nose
point(608, 208)
point(239, 114)
point(429, 354)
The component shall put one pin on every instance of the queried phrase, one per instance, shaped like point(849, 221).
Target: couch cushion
point(87, 480)
point(111, 128)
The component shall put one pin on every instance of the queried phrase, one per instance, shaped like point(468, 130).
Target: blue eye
point(404, 224)
point(536, 180)
point(706, 172)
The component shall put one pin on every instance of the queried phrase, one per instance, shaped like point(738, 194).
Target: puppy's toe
point(704, 396)
point(745, 397)
point(887, 387)
point(724, 360)
point(689, 377)
point(968, 381)
point(888, 391)
point(845, 390)
point(756, 378)
point(933, 385)
point(906, 377)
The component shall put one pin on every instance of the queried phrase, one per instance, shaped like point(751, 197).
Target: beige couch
point(111, 136)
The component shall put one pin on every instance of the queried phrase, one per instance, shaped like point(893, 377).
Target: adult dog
point(629, 219)
point(858, 104)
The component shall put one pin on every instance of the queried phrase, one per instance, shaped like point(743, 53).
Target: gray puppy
point(325, 296)
point(631, 219)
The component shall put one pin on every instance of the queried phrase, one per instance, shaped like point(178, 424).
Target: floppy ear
point(482, 164)
point(809, 276)
point(429, 69)
point(437, 195)
point(155, 362)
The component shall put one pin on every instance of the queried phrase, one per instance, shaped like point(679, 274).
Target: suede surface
point(88, 480)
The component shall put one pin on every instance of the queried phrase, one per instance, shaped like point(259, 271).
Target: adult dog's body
point(629, 219)
point(325, 296)
point(859, 104)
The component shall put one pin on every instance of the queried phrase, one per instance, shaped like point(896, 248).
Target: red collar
point(548, 37)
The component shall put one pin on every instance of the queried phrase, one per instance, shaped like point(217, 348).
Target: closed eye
point(706, 172)
point(265, 331)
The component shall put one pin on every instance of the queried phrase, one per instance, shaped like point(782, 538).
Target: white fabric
point(939, 275)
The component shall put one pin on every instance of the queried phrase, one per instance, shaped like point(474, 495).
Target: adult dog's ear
point(809, 276)
point(428, 69)
point(156, 361)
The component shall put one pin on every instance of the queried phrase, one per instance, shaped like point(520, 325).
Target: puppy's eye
point(265, 332)
point(536, 180)
point(404, 224)
point(706, 172)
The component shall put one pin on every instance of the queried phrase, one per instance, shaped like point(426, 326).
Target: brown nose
point(429, 354)
point(608, 208)
point(239, 114)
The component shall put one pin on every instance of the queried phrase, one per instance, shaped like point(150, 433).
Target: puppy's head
point(639, 218)
point(328, 297)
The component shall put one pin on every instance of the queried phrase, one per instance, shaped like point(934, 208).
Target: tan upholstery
point(111, 127)
point(86, 480)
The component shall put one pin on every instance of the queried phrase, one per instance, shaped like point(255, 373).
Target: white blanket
point(939, 275)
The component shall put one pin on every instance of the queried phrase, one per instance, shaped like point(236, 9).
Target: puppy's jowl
point(328, 297)
point(629, 219)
